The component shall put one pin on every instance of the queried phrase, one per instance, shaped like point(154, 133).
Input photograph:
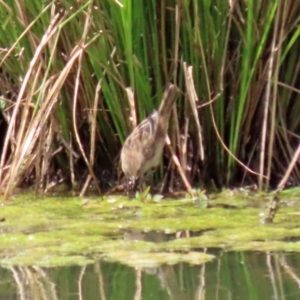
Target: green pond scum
point(63, 231)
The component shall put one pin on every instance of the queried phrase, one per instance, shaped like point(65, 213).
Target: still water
point(231, 275)
point(116, 248)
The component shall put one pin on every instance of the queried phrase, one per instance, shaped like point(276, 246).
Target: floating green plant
point(63, 231)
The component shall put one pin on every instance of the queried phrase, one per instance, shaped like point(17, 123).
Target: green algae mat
point(62, 231)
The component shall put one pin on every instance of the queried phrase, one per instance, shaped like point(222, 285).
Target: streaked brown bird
point(143, 147)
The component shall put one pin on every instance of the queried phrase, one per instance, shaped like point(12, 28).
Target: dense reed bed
point(76, 77)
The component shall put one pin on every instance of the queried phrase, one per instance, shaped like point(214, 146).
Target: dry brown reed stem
point(270, 130)
point(188, 74)
point(44, 154)
point(119, 3)
point(132, 108)
point(86, 185)
point(183, 148)
point(193, 98)
point(27, 142)
point(27, 29)
point(292, 88)
point(178, 166)
point(177, 41)
point(50, 31)
point(274, 203)
point(93, 122)
point(89, 163)
point(163, 39)
point(232, 5)
point(285, 133)
point(228, 150)
point(289, 170)
point(72, 170)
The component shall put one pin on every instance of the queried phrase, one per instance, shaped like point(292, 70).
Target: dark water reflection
point(232, 275)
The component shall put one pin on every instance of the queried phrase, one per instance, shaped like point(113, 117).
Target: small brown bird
point(143, 147)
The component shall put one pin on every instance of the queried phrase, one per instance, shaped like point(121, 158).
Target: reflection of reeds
point(71, 72)
point(98, 271)
point(33, 283)
point(214, 280)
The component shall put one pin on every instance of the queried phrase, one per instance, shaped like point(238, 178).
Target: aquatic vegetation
point(65, 231)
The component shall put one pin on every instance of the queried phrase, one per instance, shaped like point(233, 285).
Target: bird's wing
point(146, 130)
